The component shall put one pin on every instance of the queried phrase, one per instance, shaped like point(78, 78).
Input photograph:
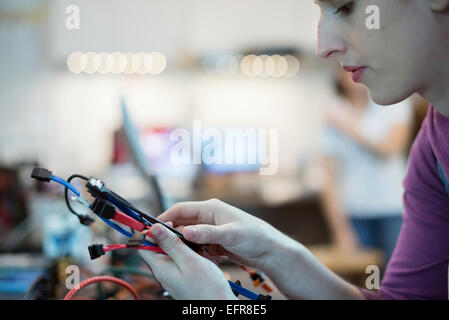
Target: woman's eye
point(345, 9)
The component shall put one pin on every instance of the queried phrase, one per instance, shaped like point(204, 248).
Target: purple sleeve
point(371, 295)
point(418, 268)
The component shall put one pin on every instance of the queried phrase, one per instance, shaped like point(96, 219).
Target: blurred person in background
point(364, 163)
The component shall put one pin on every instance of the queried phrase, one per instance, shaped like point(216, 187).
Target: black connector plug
point(257, 277)
point(96, 251)
point(235, 291)
point(41, 174)
point(103, 209)
point(85, 220)
point(262, 297)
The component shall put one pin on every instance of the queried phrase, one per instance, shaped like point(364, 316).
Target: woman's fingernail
point(190, 232)
point(158, 231)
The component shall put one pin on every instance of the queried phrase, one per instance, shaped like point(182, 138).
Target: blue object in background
point(15, 282)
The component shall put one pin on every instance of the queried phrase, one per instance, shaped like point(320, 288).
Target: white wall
point(174, 26)
point(231, 25)
point(66, 120)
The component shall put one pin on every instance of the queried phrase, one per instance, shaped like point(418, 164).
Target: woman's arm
point(246, 240)
point(299, 275)
point(342, 231)
point(394, 143)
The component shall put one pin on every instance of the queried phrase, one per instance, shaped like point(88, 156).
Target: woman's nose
point(329, 45)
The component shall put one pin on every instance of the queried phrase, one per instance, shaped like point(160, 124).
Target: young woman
point(409, 54)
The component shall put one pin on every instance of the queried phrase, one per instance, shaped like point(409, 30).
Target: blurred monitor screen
point(238, 153)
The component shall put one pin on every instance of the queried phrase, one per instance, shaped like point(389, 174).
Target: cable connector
point(264, 297)
point(136, 240)
point(41, 174)
point(96, 188)
point(85, 220)
point(96, 251)
point(235, 291)
point(103, 208)
point(258, 280)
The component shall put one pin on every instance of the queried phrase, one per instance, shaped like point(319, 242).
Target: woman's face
point(396, 59)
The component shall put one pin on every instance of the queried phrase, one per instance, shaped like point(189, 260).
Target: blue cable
point(65, 184)
point(244, 292)
point(110, 223)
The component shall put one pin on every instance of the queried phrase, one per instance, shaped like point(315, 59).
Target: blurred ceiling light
point(270, 66)
point(76, 62)
point(138, 63)
point(148, 63)
point(293, 66)
point(258, 65)
point(227, 65)
point(106, 63)
point(129, 66)
point(159, 63)
point(281, 66)
point(93, 62)
point(119, 62)
point(246, 65)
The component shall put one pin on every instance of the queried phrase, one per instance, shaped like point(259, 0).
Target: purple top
point(418, 268)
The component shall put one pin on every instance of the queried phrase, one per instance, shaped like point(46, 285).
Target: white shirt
point(369, 186)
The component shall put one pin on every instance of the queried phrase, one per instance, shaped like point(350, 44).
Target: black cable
point(84, 219)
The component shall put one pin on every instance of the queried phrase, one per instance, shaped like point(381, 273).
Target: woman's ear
point(439, 5)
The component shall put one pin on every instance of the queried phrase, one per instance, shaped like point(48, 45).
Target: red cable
point(111, 247)
point(89, 281)
point(128, 221)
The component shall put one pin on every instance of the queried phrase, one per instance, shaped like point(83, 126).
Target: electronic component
point(41, 174)
point(110, 207)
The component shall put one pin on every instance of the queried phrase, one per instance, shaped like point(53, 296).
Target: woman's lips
point(357, 72)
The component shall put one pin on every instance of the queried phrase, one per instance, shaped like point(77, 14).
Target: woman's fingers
point(190, 213)
point(159, 264)
point(209, 234)
point(172, 245)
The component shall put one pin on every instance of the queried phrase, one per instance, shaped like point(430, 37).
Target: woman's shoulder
point(436, 131)
point(423, 180)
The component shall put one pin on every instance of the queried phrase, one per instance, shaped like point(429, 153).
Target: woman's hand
point(228, 231)
point(245, 239)
point(183, 273)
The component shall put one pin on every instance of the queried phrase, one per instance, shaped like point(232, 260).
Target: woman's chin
point(386, 99)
